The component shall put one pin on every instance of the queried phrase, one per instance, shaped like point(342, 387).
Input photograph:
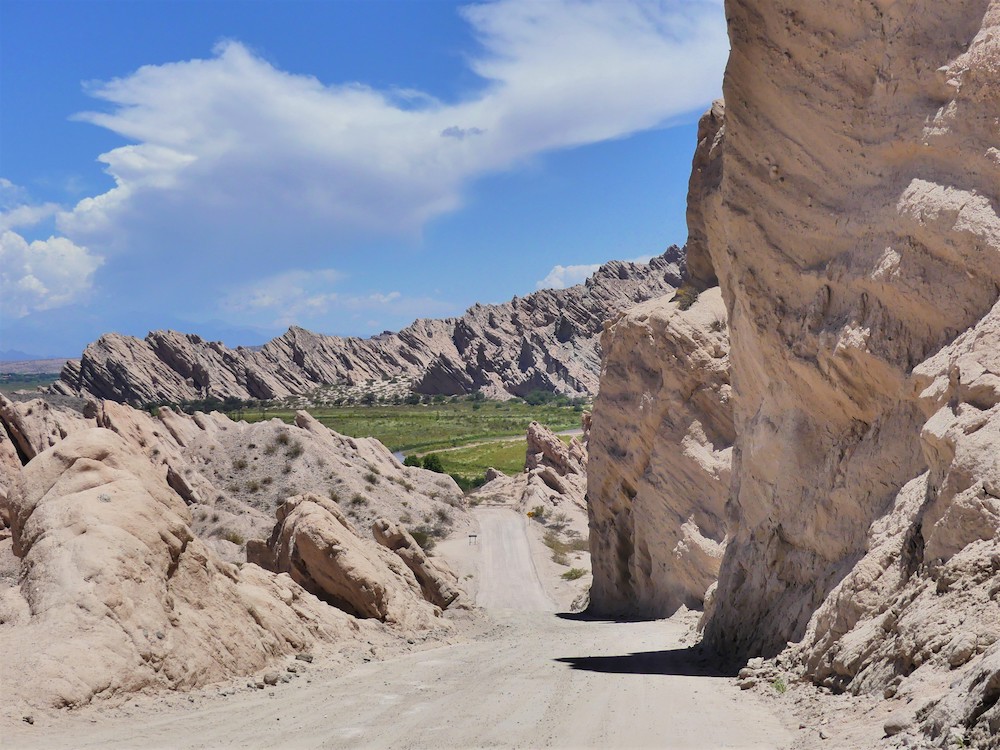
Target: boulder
point(437, 584)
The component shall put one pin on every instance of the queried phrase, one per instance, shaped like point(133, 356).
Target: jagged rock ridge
point(547, 340)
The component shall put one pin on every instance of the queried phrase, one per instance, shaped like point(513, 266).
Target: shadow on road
point(587, 617)
point(687, 662)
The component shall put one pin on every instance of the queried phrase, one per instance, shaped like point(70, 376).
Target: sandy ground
point(528, 677)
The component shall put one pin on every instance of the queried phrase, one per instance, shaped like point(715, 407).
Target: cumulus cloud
point(234, 139)
point(296, 296)
point(43, 274)
point(561, 277)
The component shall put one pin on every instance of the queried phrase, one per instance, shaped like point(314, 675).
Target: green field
point(428, 427)
point(471, 463)
point(10, 382)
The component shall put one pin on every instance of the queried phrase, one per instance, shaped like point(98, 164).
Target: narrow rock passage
point(534, 680)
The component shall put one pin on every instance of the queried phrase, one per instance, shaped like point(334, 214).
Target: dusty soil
point(526, 677)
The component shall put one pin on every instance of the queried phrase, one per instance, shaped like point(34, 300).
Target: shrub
point(283, 438)
point(359, 499)
point(538, 513)
point(240, 464)
point(423, 536)
point(235, 538)
point(371, 478)
point(295, 450)
point(573, 573)
point(432, 462)
point(686, 296)
point(334, 495)
point(443, 515)
point(779, 684)
point(253, 486)
point(412, 460)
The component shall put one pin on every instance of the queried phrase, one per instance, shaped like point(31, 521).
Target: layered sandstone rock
point(858, 236)
point(546, 340)
point(320, 549)
point(436, 581)
point(660, 453)
point(232, 475)
point(117, 595)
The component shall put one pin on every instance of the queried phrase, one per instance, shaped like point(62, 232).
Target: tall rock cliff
point(660, 452)
point(547, 340)
point(845, 199)
point(857, 237)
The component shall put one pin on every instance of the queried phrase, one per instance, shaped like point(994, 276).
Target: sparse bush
point(371, 478)
point(359, 499)
point(686, 296)
point(334, 495)
point(240, 464)
point(443, 515)
point(283, 438)
point(287, 468)
point(559, 521)
point(253, 486)
point(405, 518)
point(779, 684)
point(270, 449)
point(215, 517)
point(295, 450)
point(573, 573)
point(235, 538)
point(424, 536)
point(538, 513)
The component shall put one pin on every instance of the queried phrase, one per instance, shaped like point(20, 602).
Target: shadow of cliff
point(588, 617)
point(685, 662)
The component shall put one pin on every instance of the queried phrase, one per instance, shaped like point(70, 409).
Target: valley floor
point(526, 677)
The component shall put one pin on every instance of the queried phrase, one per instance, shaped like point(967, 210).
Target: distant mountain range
point(16, 355)
point(548, 340)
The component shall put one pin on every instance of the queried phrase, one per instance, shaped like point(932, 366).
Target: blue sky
point(231, 168)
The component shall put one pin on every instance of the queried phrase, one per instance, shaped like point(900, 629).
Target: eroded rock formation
point(119, 525)
point(117, 594)
point(857, 237)
point(660, 454)
point(546, 340)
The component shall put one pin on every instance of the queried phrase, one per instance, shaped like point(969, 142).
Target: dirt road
point(534, 679)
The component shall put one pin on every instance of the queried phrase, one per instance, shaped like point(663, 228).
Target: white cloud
point(43, 274)
point(561, 277)
point(233, 141)
point(297, 296)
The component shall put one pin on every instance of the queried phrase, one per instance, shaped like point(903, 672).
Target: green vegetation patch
point(423, 428)
point(10, 382)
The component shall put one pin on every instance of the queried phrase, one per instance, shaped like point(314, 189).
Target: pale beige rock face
point(320, 549)
point(545, 340)
point(437, 583)
point(118, 596)
point(660, 453)
point(233, 474)
point(857, 236)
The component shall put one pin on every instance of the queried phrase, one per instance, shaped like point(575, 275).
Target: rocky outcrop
point(233, 474)
point(547, 340)
point(857, 237)
point(660, 453)
point(845, 198)
point(437, 583)
point(318, 547)
point(117, 595)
